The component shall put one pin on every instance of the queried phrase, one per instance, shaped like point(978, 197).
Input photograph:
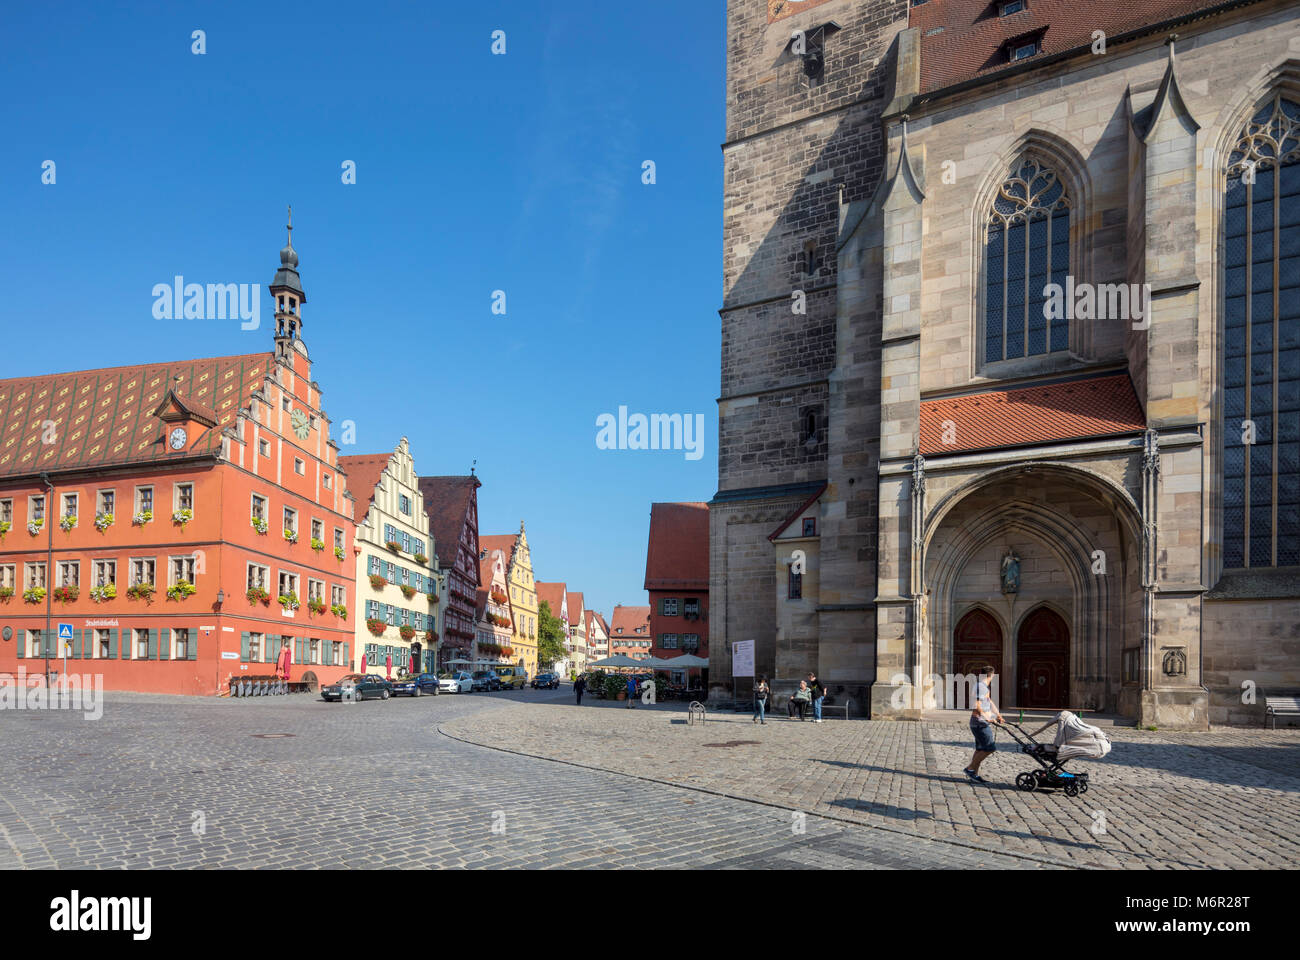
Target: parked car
point(486, 680)
point(458, 682)
point(512, 678)
point(367, 687)
point(416, 685)
point(546, 681)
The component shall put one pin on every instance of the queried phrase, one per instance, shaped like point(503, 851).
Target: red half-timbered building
point(452, 506)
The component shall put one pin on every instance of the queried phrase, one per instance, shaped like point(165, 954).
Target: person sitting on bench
point(799, 701)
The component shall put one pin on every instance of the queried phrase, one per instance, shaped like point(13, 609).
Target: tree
point(550, 638)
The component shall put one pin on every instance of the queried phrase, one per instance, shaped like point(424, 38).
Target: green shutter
point(153, 645)
point(346, 662)
point(20, 644)
point(112, 642)
point(76, 644)
point(243, 646)
point(661, 606)
point(192, 648)
point(164, 644)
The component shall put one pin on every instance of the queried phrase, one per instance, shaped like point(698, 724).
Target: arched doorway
point(976, 643)
point(1042, 660)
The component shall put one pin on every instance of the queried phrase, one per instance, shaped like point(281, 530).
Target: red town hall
point(186, 519)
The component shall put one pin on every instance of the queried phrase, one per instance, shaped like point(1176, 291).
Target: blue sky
point(475, 173)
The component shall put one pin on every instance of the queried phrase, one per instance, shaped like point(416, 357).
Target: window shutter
point(346, 662)
point(20, 644)
point(114, 642)
point(297, 650)
point(192, 648)
point(661, 606)
point(76, 644)
point(243, 646)
point(164, 644)
point(153, 645)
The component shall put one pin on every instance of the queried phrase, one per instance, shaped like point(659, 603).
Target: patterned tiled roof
point(505, 542)
point(677, 553)
point(364, 473)
point(629, 620)
point(964, 39)
point(575, 608)
point(447, 501)
point(1062, 410)
point(107, 417)
point(551, 594)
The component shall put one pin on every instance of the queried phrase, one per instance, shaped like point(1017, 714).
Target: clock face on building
point(298, 420)
point(780, 9)
point(177, 438)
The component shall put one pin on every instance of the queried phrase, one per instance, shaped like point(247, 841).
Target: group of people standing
point(810, 693)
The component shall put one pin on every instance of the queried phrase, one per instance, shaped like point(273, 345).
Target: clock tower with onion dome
point(286, 289)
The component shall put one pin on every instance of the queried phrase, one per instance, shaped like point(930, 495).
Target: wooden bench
point(1280, 707)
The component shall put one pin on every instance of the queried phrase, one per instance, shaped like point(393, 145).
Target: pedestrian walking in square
point(761, 692)
point(818, 695)
point(631, 692)
point(579, 688)
point(982, 719)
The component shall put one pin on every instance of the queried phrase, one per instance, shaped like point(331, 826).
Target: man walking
point(982, 719)
point(631, 692)
point(818, 695)
point(579, 687)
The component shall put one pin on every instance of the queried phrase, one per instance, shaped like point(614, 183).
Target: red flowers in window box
point(408, 592)
point(316, 606)
point(376, 627)
point(377, 581)
point(256, 594)
point(394, 546)
point(65, 594)
point(407, 632)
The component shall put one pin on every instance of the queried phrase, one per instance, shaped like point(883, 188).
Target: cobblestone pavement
point(1229, 798)
point(175, 782)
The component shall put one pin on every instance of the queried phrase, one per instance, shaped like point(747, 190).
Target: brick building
point(677, 579)
point(166, 511)
point(1101, 498)
point(452, 507)
point(629, 632)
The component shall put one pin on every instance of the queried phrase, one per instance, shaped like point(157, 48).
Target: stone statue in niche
point(1010, 572)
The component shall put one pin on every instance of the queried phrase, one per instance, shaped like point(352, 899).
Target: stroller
point(1074, 738)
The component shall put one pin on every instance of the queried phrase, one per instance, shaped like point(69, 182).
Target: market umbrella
point(619, 660)
point(685, 660)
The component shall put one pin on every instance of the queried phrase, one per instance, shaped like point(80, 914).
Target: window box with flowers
point(68, 522)
point(107, 592)
point(377, 581)
point(421, 559)
point(338, 552)
point(141, 591)
point(406, 632)
point(34, 526)
point(290, 536)
point(181, 589)
point(33, 594)
point(432, 596)
point(258, 595)
point(376, 627)
point(408, 592)
point(498, 596)
point(182, 516)
point(143, 517)
point(315, 606)
point(259, 524)
point(317, 545)
point(339, 610)
point(288, 600)
point(6, 594)
point(428, 636)
point(507, 651)
point(4, 528)
point(103, 521)
point(394, 546)
point(65, 594)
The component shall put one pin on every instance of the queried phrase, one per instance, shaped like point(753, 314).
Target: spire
point(286, 289)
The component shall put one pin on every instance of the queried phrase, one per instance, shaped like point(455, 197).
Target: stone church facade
point(1011, 354)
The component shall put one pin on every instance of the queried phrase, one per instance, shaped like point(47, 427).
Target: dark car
point(416, 685)
point(546, 681)
point(367, 688)
point(486, 680)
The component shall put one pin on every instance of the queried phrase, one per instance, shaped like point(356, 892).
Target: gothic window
point(1027, 246)
point(1261, 376)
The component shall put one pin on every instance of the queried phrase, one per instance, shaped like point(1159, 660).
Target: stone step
point(1032, 718)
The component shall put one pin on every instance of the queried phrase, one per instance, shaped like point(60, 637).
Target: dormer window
point(1011, 6)
point(1023, 51)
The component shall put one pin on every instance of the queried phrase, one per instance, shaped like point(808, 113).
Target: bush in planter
point(34, 594)
point(181, 589)
point(614, 685)
point(376, 627)
point(339, 610)
point(256, 594)
point(377, 581)
point(408, 592)
point(65, 594)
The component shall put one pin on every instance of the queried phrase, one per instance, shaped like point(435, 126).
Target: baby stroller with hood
point(1074, 738)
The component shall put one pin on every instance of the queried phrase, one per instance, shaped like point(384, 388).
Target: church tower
point(286, 288)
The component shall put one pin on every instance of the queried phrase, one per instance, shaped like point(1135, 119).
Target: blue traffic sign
point(65, 631)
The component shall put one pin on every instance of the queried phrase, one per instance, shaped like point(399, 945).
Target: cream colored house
point(395, 572)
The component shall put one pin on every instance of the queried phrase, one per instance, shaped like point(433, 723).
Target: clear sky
point(475, 172)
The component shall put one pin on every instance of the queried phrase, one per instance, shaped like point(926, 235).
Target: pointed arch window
point(1026, 247)
point(1261, 373)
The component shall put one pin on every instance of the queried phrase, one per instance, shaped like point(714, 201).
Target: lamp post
point(49, 571)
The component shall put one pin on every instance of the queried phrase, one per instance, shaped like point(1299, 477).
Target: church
point(1011, 354)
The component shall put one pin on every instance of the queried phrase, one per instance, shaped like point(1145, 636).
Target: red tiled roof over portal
point(964, 39)
point(107, 417)
point(1065, 410)
point(677, 554)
